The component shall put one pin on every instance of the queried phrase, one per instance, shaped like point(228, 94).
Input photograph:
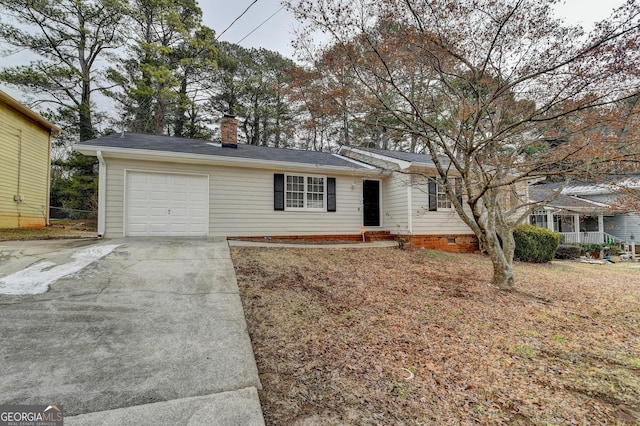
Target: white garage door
point(163, 204)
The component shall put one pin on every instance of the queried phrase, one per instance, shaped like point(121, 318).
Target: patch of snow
point(37, 278)
point(632, 182)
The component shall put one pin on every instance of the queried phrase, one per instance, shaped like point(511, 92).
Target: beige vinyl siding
point(427, 222)
point(241, 201)
point(250, 211)
point(24, 170)
point(395, 203)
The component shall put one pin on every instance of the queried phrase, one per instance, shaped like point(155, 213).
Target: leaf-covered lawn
point(65, 228)
point(390, 336)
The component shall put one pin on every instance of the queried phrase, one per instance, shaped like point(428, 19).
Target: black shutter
point(331, 194)
point(433, 196)
point(278, 191)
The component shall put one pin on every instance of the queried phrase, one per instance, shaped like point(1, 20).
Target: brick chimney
point(229, 131)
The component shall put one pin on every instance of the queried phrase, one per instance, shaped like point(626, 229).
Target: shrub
point(568, 251)
point(590, 248)
point(535, 244)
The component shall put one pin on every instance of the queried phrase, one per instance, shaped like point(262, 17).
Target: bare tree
point(500, 92)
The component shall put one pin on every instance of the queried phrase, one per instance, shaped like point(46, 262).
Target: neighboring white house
point(587, 212)
point(152, 185)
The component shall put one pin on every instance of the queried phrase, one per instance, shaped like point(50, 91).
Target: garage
point(166, 204)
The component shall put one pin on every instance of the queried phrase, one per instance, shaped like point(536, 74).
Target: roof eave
point(180, 157)
point(32, 115)
point(402, 165)
point(423, 166)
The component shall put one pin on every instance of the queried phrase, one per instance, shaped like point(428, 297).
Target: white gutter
point(102, 193)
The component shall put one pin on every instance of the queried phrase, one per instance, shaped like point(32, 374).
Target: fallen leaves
point(60, 228)
point(387, 336)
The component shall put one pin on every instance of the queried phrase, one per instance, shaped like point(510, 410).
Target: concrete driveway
point(153, 332)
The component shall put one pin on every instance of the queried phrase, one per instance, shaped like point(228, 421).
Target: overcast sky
point(277, 33)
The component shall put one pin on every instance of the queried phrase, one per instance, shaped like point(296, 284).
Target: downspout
point(18, 197)
point(102, 193)
point(48, 196)
point(410, 204)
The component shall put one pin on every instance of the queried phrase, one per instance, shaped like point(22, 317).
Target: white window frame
point(559, 218)
point(443, 201)
point(305, 193)
point(539, 218)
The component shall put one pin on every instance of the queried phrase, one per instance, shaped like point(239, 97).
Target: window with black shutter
point(331, 194)
point(304, 192)
point(438, 198)
point(278, 191)
point(433, 196)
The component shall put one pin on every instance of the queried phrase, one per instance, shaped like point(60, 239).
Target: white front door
point(166, 204)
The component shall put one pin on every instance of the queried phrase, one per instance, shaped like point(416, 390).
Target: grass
point(389, 336)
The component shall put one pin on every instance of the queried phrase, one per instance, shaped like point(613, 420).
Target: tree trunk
point(414, 142)
point(161, 111)
point(345, 127)
point(85, 124)
point(255, 137)
point(264, 135)
point(181, 111)
point(278, 130)
point(500, 248)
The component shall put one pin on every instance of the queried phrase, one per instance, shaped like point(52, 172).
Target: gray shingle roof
point(172, 144)
point(605, 185)
point(404, 156)
point(539, 193)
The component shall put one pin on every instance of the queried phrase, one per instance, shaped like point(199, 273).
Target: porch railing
point(588, 237)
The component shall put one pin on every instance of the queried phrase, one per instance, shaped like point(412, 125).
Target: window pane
point(295, 192)
point(538, 219)
point(304, 192)
point(563, 223)
point(443, 198)
point(315, 193)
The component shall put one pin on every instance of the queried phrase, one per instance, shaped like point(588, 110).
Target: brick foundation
point(452, 243)
point(368, 236)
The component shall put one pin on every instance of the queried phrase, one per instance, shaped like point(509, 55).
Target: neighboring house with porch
point(152, 185)
point(25, 157)
point(587, 212)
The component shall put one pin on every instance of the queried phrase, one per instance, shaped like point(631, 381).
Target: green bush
point(535, 244)
point(568, 251)
point(589, 248)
